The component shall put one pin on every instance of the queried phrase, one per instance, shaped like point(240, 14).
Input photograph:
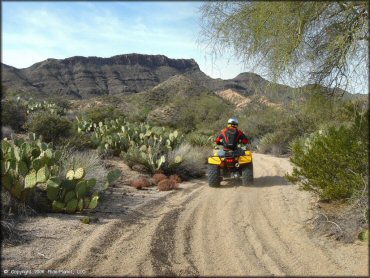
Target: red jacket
point(240, 137)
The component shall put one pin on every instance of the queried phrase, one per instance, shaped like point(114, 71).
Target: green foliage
point(102, 113)
point(13, 114)
point(45, 106)
point(136, 143)
point(27, 164)
point(325, 39)
point(113, 176)
point(334, 162)
point(51, 127)
point(364, 235)
point(34, 165)
point(77, 141)
point(198, 139)
point(187, 161)
point(206, 113)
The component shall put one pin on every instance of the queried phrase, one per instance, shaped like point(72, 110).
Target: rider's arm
point(244, 139)
point(218, 140)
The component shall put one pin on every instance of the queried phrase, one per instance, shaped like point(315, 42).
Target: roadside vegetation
point(174, 148)
point(321, 43)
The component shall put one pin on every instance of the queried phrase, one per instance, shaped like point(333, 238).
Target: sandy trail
point(198, 230)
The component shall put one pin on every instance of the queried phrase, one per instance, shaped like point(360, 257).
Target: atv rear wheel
point(213, 175)
point(247, 174)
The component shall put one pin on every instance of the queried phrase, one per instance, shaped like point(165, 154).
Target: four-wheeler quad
point(230, 164)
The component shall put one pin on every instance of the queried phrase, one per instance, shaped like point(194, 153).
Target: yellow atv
point(230, 164)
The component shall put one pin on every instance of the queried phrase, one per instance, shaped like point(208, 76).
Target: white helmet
point(233, 121)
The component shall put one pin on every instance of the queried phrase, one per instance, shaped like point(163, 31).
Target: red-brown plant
point(159, 177)
point(139, 183)
point(167, 184)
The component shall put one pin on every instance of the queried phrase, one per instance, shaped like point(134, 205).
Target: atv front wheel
point(214, 175)
point(247, 174)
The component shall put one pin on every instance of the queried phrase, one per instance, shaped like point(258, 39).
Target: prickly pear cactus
point(30, 165)
point(70, 175)
point(121, 136)
point(30, 180)
point(79, 173)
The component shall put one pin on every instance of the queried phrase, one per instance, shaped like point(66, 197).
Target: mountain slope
point(84, 77)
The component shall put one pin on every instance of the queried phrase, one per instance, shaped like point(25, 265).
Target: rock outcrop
point(84, 77)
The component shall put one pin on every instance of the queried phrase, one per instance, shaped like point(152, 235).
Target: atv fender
point(247, 158)
point(215, 160)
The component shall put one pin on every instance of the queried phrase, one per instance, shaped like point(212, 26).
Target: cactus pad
point(91, 183)
point(72, 206)
point(57, 206)
point(94, 202)
point(52, 192)
point(69, 196)
point(80, 205)
point(70, 175)
point(22, 168)
point(68, 184)
point(35, 152)
point(17, 154)
point(42, 174)
point(178, 159)
point(79, 173)
point(113, 176)
point(81, 189)
point(30, 180)
point(37, 164)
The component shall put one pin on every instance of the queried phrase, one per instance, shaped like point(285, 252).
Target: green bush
point(333, 163)
point(198, 139)
point(192, 163)
point(60, 102)
point(13, 114)
point(99, 114)
point(51, 127)
point(77, 141)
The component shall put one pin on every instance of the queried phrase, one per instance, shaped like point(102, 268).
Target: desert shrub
point(175, 178)
point(88, 160)
point(152, 160)
point(101, 113)
point(60, 102)
point(159, 177)
point(139, 114)
point(167, 184)
point(13, 114)
point(206, 113)
point(140, 182)
point(51, 127)
point(333, 163)
point(197, 139)
point(192, 164)
point(295, 126)
point(262, 121)
point(271, 143)
point(77, 141)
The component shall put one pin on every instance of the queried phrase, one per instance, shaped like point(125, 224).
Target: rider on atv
point(231, 136)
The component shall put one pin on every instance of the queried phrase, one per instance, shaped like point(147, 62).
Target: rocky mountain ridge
point(86, 77)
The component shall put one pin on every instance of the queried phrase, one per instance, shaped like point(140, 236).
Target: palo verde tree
point(324, 42)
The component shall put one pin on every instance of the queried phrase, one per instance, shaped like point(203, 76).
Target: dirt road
point(197, 230)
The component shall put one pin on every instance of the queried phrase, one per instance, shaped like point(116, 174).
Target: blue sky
point(35, 31)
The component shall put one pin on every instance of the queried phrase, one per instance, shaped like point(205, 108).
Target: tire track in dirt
point(202, 231)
